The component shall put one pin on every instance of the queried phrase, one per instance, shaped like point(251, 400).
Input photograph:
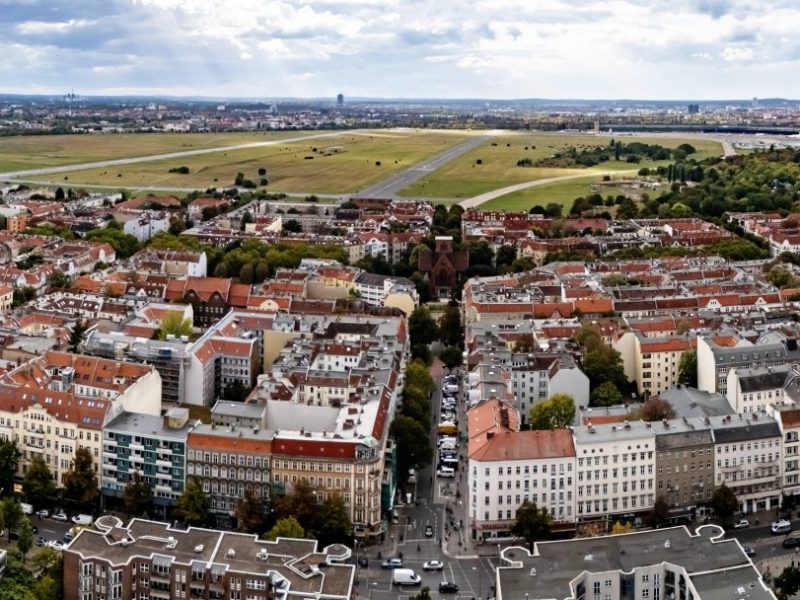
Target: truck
point(405, 577)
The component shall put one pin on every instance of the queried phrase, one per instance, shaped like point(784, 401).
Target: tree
point(9, 459)
point(286, 528)
point(173, 323)
point(25, 539)
point(555, 413)
point(300, 503)
point(424, 593)
point(604, 364)
point(656, 409)
point(38, 485)
point(12, 514)
point(250, 512)
point(60, 195)
point(724, 503)
point(606, 394)
point(451, 332)
point(533, 523)
point(787, 584)
point(619, 527)
point(59, 280)
point(235, 391)
point(452, 357)
point(47, 588)
point(505, 257)
point(292, 226)
point(780, 277)
point(76, 336)
point(553, 210)
point(660, 512)
point(47, 562)
point(80, 481)
point(193, 506)
point(125, 245)
point(333, 525)
point(413, 445)
point(137, 496)
point(687, 369)
point(421, 326)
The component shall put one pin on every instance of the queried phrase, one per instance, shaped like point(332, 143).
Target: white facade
point(615, 469)
point(753, 390)
point(145, 226)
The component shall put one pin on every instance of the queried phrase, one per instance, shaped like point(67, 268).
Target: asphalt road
point(390, 186)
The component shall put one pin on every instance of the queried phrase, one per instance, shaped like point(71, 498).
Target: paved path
point(485, 197)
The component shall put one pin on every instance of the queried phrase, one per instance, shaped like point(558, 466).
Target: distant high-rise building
point(694, 109)
point(340, 100)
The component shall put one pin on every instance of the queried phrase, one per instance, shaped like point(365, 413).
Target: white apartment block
point(754, 389)
point(653, 363)
point(788, 418)
point(537, 377)
point(517, 466)
point(615, 470)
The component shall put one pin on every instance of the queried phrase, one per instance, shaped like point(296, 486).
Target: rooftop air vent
point(198, 548)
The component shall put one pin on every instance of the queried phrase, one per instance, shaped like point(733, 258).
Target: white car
point(741, 524)
point(433, 565)
point(61, 516)
point(446, 472)
point(43, 513)
point(55, 545)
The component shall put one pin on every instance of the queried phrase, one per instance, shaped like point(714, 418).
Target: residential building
point(146, 225)
point(788, 419)
point(615, 471)
point(538, 376)
point(6, 298)
point(517, 466)
point(148, 559)
point(152, 446)
point(647, 565)
point(211, 297)
point(754, 389)
point(653, 363)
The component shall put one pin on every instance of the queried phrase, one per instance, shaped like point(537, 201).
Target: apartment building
point(684, 463)
point(146, 560)
point(754, 389)
point(152, 446)
point(517, 466)
point(652, 362)
point(615, 471)
point(748, 454)
point(788, 419)
point(538, 376)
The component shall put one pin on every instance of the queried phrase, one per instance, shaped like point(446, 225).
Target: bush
point(181, 170)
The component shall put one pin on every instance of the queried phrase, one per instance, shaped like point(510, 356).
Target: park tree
point(606, 394)
point(656, 409)
point(137, 496)
point(300, 503)
point(421, 327)
point(724, 503)
point(687, 369)
point(193, 506)
point(288, 527)
point(414, 448)
point(451, 332)
point(333, 525)
point(533, 523)
point(555, 413)
point(25, 539)
point(9, 459)
point(80, 481)
point(452, 357)
point(38, 484)
point(173, 323)
point(249, 512)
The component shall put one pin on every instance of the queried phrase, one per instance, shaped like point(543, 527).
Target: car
point(428, 531)
point(741, 524)
point(60, 516)
point(43, 513)
point(40, 541)
point(392, 563)
point(446, 472)
point(448, 587)
point(781, 526)
point(433, 565)
point(55, 545)
point(749, 550)
point(363, 562)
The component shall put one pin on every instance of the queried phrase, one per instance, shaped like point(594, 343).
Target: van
point(446, 472)
point(26, 508)
point(83, 519)
point(450, 462)
point(447, 439)
point(405, 577)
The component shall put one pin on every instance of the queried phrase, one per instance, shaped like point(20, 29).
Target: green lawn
point(342, 164)
point(464, 177)
point(560, 192)
point(36, 151)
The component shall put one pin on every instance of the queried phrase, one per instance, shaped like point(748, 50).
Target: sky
point(503, 49)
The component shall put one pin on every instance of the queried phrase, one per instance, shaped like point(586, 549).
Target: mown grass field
point(341, 164)
point(464, 177)
point(37, 151)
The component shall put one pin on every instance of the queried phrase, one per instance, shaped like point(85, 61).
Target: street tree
point(286, 528)
point(418, 374)
point(423, 594)
point(452, 357)
point(25, 539)
point(138, 496)
point(724, 503)
point(80, 481)
point(333, 525)
point(687, 369)
point(787, 584)
point(249, 512)
point(555, 413)
point(451, 332)
point(193, 506)
point(173, 323)
point(301, 503)
point(414, 448)
point(46, 561)
point(421, 326)
point(12, 514)
point(606, 394)
point(38, 484)
point(533, 523)
point(619, 527)
point(9, 459)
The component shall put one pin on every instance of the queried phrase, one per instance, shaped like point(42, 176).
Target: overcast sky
point(650, 49)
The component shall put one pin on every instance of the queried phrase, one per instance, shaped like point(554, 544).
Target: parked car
point(781, 526)
point(448, 587)
point(55, 545)
point(61, 516)
point(363, 562)
point(446, 472)
point(792, 540)
point(40, 541)
point(749, 550)
point(43, 513)
point(433, 565)
point(392, 563)
point(741, 524)
point(428, 531)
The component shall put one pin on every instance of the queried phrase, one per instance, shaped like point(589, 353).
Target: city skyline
point(496, 49)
